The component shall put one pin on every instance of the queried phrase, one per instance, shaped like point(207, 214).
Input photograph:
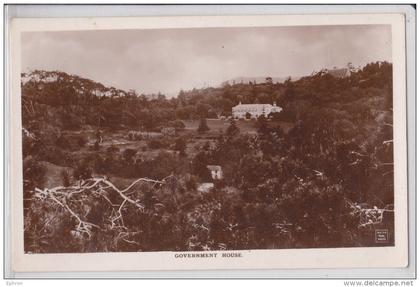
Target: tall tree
point(203, 127)
point(232, 130)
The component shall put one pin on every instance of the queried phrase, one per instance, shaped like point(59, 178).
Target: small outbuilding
point(216, 171)
point(205, 187)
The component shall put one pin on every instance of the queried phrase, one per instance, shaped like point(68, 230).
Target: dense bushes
point(33, 174)
point(157, 143)
point(175, 218)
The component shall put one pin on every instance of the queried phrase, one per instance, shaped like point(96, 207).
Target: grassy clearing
point(220, 125)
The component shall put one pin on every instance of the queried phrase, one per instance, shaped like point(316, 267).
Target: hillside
point(318, 174)
point(63, 91)
point(81, 86)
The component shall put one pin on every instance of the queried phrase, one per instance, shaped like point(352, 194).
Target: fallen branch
point(101, 187)
point(367, 216)
point(83, 226)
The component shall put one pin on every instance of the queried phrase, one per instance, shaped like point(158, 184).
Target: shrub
point(71, 122)
point(33, 173)
point(129, 154)
point(82, 171)
point(162, 166)
point(112, 149)
point(233, 129)
point(191, 182)
point(65, 177)
point(157, 143)
point(178, 124)
point(203, 127)
point(63, 142)
point(199, 166)
point(96, 146)
point(180, 146)
point(81, 141)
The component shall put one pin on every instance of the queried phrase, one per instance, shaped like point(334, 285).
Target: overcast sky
point(150, 61)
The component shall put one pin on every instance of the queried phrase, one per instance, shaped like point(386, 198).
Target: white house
point(216, 171)
point(342, 72)
point(339, 73)
point(240, 111)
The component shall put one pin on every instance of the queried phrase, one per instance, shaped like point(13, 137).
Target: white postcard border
point(368, 257)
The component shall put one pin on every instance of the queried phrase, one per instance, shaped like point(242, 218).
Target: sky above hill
point(151, 61)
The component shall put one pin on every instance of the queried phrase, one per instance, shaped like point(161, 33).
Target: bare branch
point(95, 186)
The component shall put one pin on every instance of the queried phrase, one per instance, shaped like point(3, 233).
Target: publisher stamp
point(381, 236)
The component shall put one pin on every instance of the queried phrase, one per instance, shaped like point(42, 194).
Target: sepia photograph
point(204, 139)
point(208, 143)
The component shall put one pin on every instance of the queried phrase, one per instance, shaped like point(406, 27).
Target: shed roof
point(214, 167)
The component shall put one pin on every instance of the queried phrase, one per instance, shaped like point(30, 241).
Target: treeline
point(70, 102)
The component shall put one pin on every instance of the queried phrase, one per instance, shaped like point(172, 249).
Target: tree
point(157, 143)
point(199, 166)
point(128, 155)
point(33, 173)
point(252, 170)
point(162, 166)
point(232, 130)
point(63, 142)
point(269, 81)
point(161, 97)
point(276, 116)
point(180, 146)
point(98, 135)
point(206, 146)
point(261, 124)
point(177, 124)
point(96, 146)
point(81, 141)
point(203, 127)
point(82, 171)
point(202, 109)
point(65, 177)
point(248, 115)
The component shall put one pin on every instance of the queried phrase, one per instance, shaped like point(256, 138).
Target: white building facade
point(215, 171)
point(240, 111)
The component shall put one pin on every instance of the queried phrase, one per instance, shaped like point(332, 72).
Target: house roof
point(253, 106)
point(338, 73)
point(214, 167)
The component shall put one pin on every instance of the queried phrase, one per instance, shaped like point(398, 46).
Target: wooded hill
point(77, 101)
point(301, 188)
